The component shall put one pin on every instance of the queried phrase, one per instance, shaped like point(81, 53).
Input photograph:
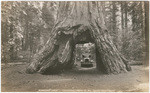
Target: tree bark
point(74, 18)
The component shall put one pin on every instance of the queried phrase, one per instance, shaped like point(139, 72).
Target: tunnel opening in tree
point(85, 55)
point(86, 51)
point(60, 52)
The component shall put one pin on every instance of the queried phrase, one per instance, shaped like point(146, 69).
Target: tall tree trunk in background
point(26, 40)
point(134, 17)
point(103, 11)
point(147, 32)
point(122, 15)
point(122, 26)
point(114, 23)
point(142, 15)
point(125, 11)
point(73, 19)
point(4, 39)
point(11, 26)
point(114, 16)
point(26, 32)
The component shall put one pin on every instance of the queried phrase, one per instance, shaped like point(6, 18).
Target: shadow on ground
point(14, 79)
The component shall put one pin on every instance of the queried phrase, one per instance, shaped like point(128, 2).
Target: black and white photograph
point(74, 46)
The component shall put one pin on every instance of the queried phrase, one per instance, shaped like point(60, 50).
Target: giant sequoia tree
point(78, 22)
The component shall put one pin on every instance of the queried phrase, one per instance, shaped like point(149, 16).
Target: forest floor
point(14, 79)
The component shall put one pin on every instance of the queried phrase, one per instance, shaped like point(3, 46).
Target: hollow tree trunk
point(74, 18)
point(56, 55)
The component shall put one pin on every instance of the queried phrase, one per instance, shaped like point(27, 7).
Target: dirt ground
point(14, 79)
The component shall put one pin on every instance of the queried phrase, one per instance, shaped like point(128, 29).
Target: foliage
point(23, 27)
point(125, 21)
